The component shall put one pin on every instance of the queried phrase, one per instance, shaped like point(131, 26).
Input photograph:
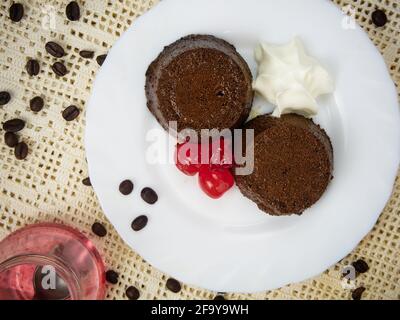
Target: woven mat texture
point(47, 185)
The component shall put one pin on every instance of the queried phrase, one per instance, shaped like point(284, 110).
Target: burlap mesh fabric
point(47, 185)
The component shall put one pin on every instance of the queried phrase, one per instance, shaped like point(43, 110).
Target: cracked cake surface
point(293, 164)
point(201, 82)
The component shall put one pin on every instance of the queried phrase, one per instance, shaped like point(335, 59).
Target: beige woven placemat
point(47, 185)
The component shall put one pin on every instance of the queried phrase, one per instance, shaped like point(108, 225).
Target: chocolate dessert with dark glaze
point(293, 164)
point(201, 82)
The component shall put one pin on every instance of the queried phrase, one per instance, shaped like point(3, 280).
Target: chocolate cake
point(293, 163)
point(201, 82)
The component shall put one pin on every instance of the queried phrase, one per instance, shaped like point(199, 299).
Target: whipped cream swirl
point(290, 79)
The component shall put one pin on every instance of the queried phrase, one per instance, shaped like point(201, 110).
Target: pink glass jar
point(56, 258)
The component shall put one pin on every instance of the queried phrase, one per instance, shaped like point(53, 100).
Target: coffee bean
point(173, 285)
point(70, 113)
point(36, 104)
point(60, 291)
point(379, 18)
point(59, 250)
point(21, 151)
point(73, 11)
point(132, 293)
point(87, 182)
point(59, 69)
point(345, 273)
point(100, 59)
point(139, 223)
point(126, 187)
point(149, 195)
point(357, 293)
point(10, 139)
point(32, 67)
point(219, 297)
point(54, 49)
point(86, 54)
point(361, 266)
point(16, 12)
point(112, 276)
point(5, 98)
point(99, 230)
point(13, 125)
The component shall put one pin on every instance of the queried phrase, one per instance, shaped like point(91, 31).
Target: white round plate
point(228, 244)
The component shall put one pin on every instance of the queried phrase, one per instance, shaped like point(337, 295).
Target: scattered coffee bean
point(139, 223)
point(132, 293)
point(54, 49)
point(99, 230)
point(126, 187)
point(86, 54)
point(112, 276)
point(13, 125)
point(16, 12)
point(21, 151)
point(149, 195)
point(5, 98)
point(379, 18)
point(70, 113)
point(87, 182)
point(345, 273)
point(36, 104)
point(42, 290)
point(219, 297)
point(73, 11)
point(59, 69)
point(10, 139)
point(32, 67)
point(357, 293)
point(173, 285)
point(59, 250)
point(361, 266)
point(100, 59)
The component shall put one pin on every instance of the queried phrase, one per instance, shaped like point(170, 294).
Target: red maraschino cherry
point(215, 177)
point(215, 181)
point(187, 158)
point(221, 154)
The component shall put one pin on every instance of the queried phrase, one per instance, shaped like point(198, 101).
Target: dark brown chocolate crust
point(293, 164)
point(201, 82)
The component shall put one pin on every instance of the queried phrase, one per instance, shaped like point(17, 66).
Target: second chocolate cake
point(201, 82)
point(293, 164)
